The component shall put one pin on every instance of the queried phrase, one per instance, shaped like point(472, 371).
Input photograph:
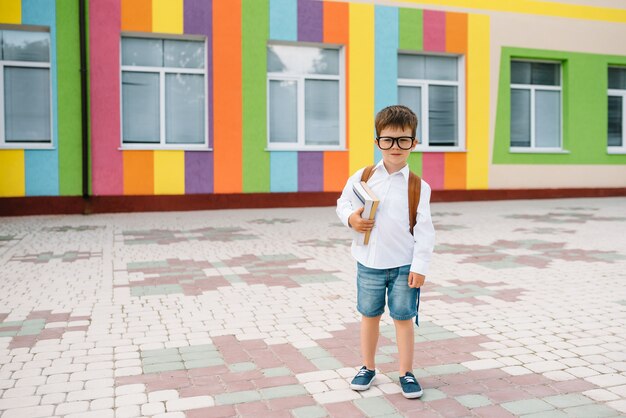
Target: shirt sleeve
point(344, 203)
point(423, 234)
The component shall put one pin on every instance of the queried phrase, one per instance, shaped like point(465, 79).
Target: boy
point(394, 261)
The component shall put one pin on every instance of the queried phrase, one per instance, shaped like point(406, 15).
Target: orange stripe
point(455, 170)
point(137, 15)
point(138, 172)
point(336, 31)
point(336, 170)
point(456, 32)
point(227, 141)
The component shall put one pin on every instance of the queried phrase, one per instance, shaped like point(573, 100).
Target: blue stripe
point(42, 166)
point(284, 20)
point(284, 171)
point(386, 61)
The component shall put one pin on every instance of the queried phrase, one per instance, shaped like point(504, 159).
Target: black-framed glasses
point(404, 142)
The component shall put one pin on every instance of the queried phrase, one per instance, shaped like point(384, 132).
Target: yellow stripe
point(11, 11)
point(478, 86)
point(12, 173)
point(167, 16)
point(544, 8)
point(361, 89)
point(169, 172)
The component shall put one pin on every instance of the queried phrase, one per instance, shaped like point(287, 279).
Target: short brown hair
point(397, 116)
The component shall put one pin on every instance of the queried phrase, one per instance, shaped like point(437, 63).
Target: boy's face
point(396, 156)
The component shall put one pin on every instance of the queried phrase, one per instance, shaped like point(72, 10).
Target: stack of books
point(370, 204)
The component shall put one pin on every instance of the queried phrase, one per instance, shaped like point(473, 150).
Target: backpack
point(415, 188)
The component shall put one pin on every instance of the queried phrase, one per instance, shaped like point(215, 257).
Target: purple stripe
point(310, 171)
point(310, 20)
point(198, 172)
point(198, 18)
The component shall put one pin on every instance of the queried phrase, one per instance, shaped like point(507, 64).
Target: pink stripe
point(433, 168)
point(104, 64)
point(434, 31)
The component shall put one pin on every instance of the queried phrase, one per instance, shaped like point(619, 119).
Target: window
point(305, 97)
point(164, 93)
point(617, 110)
point(535, 106)
point(25, 94)
point(432, 86)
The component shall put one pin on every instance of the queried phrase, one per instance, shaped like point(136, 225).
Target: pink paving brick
point(22, 341)
point(541, 391)
point(492, 411)
point(234, 377)
point(222, 411)
point(343, 410)
point(495, 384)
point(207, 371)
point(38, 314)
point(231, 350)
point(264, 358)
point(253, 345)
point(293, 358)
point(58, 317)
point(449, 408)
point(462, 389)
point(269, 382)
point(570, 386)
point(291, 402)
point(405, 405)
point(198, 390)
point(268, 414)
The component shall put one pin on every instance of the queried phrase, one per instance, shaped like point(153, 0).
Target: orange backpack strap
point(415, 189)
point(367, 173)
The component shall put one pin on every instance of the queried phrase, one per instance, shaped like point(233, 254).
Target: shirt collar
point(404, 170)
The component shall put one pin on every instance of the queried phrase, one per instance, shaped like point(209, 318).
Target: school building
point(114, 105)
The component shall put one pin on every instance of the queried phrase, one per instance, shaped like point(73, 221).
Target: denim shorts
point(373, 284)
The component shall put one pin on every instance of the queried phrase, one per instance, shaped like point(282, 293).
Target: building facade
point(242, 97)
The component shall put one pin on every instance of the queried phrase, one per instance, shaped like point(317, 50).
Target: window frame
point(162, 71)
point(533, 88)
point(300, 79)
point(27, 64)
point(423, 118)
point(618, 93)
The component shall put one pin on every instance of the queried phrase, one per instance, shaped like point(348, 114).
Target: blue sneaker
point(363, 379)
point(410, 388)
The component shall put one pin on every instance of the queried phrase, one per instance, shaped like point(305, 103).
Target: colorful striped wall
point(54, 171)
point(239, 161)
point(237, 33)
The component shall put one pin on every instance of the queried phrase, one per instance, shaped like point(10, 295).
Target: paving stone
point(237, 397)
point(309, 412)
point(375, 406)
point(527, 406)
point(569, 400)
point(473, 401)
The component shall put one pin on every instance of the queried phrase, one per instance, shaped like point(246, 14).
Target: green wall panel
point(69, 110)
point(584, 110)
point(256, 161)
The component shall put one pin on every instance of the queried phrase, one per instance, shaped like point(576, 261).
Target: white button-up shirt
point(391, 244)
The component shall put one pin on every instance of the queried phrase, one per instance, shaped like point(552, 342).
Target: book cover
point(370, 203)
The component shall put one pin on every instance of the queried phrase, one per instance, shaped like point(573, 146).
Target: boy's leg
point(405, 340)
point(370, 329)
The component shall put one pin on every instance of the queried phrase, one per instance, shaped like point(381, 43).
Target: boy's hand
point(416, 280)
point(359, 224)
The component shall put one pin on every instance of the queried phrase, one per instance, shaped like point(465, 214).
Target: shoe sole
point(360, 387)
point(412, 395)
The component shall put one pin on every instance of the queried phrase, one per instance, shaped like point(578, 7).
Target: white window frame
point(533, 89)
point(423, 118)
point(162, 71)
point(300, 81)
point(619, 93)
point(26, 64)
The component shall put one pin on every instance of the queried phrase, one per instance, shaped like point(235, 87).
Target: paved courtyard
point(251, 313)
